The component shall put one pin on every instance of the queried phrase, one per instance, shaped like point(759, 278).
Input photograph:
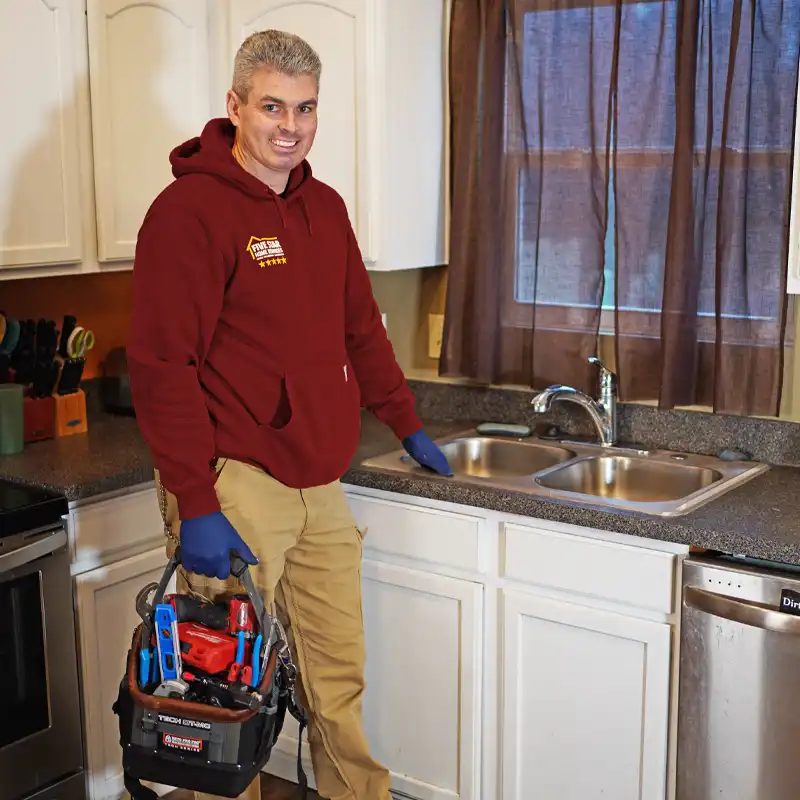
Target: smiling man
point(255, 342)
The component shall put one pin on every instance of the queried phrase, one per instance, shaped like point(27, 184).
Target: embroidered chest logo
point(266, 252)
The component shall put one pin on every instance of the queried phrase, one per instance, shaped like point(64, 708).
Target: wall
point(407, 297)
point(100, 301)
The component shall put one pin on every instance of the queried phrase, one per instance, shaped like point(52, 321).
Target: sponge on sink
point(502, 429)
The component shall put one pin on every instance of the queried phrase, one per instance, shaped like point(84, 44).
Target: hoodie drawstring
point(280, 204)
point(306, 215)
point(281, 213)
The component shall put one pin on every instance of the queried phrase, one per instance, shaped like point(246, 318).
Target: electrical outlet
point(435, 331)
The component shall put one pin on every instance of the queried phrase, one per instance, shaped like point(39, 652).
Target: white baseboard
point(283, 764)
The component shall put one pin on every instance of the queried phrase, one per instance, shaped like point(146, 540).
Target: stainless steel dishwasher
point(739, 701)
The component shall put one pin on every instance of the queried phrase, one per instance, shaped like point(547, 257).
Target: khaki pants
point(309, 550)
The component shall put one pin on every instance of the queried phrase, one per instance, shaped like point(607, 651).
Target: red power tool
point(216, 638)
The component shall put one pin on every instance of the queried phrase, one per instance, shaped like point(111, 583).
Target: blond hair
point(277, 50)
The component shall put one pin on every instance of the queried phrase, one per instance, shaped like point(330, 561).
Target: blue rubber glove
point(426, 453)
point(206, 544)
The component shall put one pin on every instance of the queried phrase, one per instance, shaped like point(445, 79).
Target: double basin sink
point(654, 482)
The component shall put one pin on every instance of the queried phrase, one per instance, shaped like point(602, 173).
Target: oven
point(41, 747)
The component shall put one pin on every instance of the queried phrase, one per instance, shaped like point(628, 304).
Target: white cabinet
point(585, 704)
point(381, 136)
point(42, 60)
point(105, 600)
point(422, 705)
point(140, 114)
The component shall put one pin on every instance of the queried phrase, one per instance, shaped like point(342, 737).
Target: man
point(255, 341)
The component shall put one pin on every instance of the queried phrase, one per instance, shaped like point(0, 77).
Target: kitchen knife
point(66, 330)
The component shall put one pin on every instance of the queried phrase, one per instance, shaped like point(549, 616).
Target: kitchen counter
point(758, 519)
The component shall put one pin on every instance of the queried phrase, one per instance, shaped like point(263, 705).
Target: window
point(591, 149)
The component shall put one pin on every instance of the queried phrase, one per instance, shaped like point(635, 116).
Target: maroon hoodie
point(255, 334)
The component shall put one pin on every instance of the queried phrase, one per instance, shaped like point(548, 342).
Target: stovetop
point(24, 508)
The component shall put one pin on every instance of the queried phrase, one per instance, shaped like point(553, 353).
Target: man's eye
point(270, 107)
point(306, 109)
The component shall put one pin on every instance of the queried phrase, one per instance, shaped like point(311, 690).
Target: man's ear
point(233, 105)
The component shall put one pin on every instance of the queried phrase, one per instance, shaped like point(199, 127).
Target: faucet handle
point(608, 378)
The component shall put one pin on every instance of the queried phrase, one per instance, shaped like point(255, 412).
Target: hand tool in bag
point(147, 663)
point(224, 694)
point(175, 687)
point(190, 609)
point(257, 660)
point(168, 642)
point(235, 671)
point(241, 616)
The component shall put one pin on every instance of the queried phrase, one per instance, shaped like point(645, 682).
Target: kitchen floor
point(271, 789)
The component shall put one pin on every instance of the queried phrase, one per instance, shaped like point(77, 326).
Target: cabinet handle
point(741, 611)
point(41, 546)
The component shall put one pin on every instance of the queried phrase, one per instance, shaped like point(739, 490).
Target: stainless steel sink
point(626, 478)
point(651, 482)
point(489, 457)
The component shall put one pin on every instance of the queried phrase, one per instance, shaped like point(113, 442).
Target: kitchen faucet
point(603, 411)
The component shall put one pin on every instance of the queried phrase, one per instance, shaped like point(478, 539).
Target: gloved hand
point(206, 544)
point(426, 453)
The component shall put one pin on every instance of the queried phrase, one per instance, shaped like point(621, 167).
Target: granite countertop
point(758, 519)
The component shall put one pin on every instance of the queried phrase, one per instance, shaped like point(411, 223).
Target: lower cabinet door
point(422, 705)
point(585, 702)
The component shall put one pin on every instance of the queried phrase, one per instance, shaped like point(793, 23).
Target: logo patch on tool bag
point(186, 744)
point(266, 252)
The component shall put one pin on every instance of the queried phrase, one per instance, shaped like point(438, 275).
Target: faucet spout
point(603, 411)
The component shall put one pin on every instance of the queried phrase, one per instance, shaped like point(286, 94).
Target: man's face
point(277, 124)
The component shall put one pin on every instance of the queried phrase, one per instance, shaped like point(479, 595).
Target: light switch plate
point(435, 331)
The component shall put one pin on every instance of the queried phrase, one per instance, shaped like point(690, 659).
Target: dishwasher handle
point(732, 608)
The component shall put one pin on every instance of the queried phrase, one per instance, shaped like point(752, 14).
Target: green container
point(12, 419)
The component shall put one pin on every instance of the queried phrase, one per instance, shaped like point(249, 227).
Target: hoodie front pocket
point(321, 436)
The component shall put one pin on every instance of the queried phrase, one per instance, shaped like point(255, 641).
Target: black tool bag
point(202, 747)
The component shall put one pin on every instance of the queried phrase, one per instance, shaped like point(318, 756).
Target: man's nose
point(289, 122)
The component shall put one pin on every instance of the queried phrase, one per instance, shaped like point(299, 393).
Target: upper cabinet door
point(149, 70)
point(42, 47)
point(337, 30)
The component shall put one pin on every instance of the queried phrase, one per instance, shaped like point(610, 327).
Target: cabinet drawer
point(573, 563)
point(117, 525)
point(424, 534)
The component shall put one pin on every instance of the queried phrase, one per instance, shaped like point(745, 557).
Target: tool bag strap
point(239, 571)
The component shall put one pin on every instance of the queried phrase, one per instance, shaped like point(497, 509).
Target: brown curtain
point(623, 167)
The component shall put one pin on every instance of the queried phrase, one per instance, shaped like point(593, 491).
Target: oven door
point(40, 724)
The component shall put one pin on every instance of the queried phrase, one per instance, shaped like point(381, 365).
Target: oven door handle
point(736, 610)
point(31, 551)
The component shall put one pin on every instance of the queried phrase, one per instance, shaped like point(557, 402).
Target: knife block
point(39, 418)
point(71, 413)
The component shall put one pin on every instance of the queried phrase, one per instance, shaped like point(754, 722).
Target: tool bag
point(198, 746)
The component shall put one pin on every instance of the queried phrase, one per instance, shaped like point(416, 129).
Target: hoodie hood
point(211, 154)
